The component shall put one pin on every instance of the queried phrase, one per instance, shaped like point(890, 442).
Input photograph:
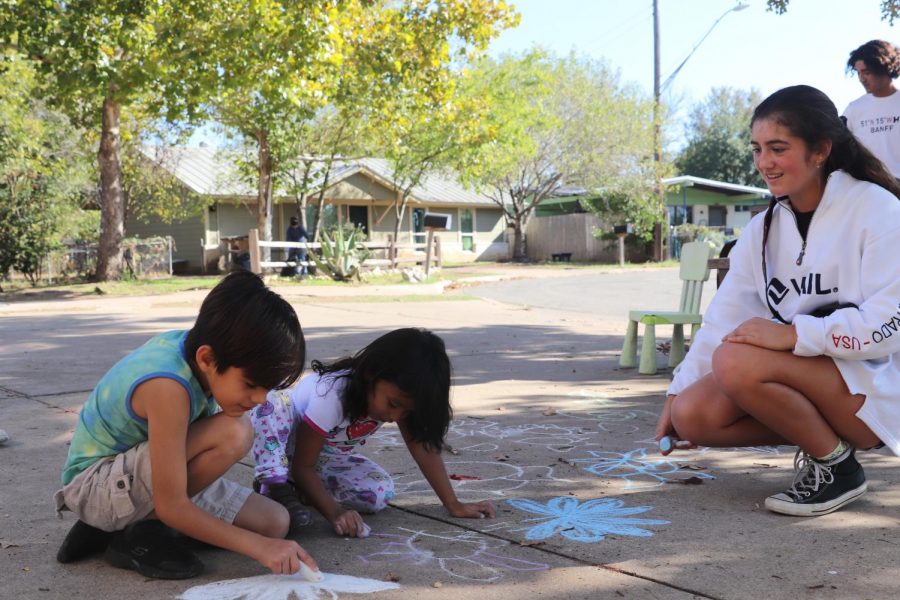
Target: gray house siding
point(187, 236)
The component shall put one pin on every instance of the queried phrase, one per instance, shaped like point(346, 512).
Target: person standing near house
point(297, 233)
point(875, 117)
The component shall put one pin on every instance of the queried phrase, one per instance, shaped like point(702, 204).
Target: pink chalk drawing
point(461, 554)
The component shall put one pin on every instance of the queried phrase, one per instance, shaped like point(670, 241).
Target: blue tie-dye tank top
point(107, 425)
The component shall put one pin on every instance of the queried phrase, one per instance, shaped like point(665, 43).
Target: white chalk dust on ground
point(281, 587)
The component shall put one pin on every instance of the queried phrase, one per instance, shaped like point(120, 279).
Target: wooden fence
point(385, 254)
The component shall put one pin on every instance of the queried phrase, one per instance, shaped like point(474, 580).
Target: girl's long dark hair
point(811, 116)
point(415, 360)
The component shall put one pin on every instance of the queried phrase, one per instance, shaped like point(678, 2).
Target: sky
point(750, 48)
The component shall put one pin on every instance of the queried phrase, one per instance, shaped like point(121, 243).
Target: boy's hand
point(349, 523)
point(471, 510)
point(283, 557)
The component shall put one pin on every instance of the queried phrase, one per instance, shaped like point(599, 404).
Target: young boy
point(150, 447)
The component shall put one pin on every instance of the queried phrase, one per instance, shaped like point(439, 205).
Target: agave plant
point(342, 256)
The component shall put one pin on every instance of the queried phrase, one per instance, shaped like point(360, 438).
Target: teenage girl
point(801, 344)
point(306, 437)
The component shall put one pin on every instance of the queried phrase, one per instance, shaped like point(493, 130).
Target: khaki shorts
point(116, 491)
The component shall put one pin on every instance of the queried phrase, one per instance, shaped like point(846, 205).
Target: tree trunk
point(112, 205)
point(399, 211)
point(264, 193)
point(519, 250)
point(320, 208)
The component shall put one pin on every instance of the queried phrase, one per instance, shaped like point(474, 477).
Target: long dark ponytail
point(811, 116)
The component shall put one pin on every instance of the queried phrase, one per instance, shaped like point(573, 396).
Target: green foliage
point(44, 172)
point(715, 238)
point(718, 139)
point(890, 9)
point(342, 255)
point(562, 121)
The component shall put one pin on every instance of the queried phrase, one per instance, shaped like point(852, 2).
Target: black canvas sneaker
point(820, 488)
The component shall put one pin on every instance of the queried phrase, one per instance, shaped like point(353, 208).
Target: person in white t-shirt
point(875, 117)
point(306, 437)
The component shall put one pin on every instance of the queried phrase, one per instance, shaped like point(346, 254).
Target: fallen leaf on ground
point(457, 477)
point(452, 450)
point(532, 543)
point(5, 545)
point(392, 577)
point(691, 467)
point(549, 412)
point(687, 481)
point(437, 584)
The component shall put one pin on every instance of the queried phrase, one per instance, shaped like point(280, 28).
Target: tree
point(422, 138)
point(290, 61)
point(718, 138)
point(558, 121)
point(44, 171)
point(101, 56)
point(890, 9)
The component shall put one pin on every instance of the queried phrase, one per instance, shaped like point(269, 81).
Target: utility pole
point(657, 140)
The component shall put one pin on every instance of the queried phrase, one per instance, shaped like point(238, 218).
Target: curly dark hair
point(415, 360)
point(881, 57)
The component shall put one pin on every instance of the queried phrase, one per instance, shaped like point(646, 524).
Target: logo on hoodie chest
point(808, 285)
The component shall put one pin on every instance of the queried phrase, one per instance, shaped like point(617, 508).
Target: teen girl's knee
point(731, 364)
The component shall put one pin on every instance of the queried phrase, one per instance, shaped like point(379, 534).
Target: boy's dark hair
point(811, 116)
point(415, 360)
point(881, 57)
point(249, 326)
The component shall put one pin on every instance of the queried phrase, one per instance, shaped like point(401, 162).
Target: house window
point(467, 229)
point(418, 222)
point(681, 214)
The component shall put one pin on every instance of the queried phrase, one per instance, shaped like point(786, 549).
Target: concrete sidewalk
point(546, 426)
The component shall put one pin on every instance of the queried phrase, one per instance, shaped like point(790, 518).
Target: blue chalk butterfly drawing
point(590, 522)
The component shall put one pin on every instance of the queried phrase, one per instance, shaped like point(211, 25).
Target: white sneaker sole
point(786, 507)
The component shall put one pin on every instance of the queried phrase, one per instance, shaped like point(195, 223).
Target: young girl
point(800, 345)
point(308, 434)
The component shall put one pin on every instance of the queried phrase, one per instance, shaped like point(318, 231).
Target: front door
point(717, 216)
point(359, 216)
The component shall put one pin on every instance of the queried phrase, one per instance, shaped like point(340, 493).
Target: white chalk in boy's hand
point(668, 443)
point(308, 574)
point(365, 531)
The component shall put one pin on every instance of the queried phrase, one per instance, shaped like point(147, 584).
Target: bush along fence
point(141, 258)
point(342, 257)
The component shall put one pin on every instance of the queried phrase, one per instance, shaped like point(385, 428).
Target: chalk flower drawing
point(636, 469)
point(464, 555)
point(590, 522)
point(285, 587)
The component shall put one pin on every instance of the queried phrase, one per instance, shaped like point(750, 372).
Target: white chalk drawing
point(461, 554)
point(613, 420)
point(477, 435)
point(589, 522)
point(487, 477)
point(636, 469)
point(286, 587)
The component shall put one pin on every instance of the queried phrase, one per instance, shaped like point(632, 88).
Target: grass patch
point(16, 290)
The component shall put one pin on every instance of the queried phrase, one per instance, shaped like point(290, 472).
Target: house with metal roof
point(714, 203)
point(360, 191)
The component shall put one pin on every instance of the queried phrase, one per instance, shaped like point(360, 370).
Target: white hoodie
point(852, 255)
